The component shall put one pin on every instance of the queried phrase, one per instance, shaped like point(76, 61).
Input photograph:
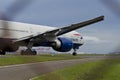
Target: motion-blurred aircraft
point(60, 39)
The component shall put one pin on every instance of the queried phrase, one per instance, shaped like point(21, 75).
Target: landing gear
point(74, 53)
point(2, 52)
point(28, 52)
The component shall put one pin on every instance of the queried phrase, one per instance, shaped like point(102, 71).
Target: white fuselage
point(17, 30)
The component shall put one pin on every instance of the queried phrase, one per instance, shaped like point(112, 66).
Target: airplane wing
point(79, 25)
point(51, 35)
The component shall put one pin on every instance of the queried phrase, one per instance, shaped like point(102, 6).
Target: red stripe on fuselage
point(76, 34)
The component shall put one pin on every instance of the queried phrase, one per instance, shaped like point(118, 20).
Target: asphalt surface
point(28, 71)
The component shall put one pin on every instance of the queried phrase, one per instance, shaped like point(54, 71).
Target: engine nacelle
point(62, 45)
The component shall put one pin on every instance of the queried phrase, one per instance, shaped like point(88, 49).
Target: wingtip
point(102, 17)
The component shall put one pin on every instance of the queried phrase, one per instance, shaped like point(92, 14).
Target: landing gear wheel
point(22, 52)
point(74, 54)
point(28, 52)
point(34, 52)
point(2, 52)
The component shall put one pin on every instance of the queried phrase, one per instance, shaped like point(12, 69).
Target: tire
point(34, 52)
point(74, 54)
point(2, 52)
point(22, 52)
point(28, 52)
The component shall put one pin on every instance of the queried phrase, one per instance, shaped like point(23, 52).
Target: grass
point(18, 59)
point(98, 70)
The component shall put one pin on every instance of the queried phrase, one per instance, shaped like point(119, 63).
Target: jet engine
point(62, 44)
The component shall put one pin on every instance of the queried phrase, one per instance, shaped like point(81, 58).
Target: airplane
point(31, 35)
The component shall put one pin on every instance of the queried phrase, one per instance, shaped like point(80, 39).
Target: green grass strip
point(20, 59)
point(98, 70)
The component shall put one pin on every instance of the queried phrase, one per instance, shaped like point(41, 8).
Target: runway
point(28, 71)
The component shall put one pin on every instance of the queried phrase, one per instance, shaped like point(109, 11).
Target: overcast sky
point(102, 37)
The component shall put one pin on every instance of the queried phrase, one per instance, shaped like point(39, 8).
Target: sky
point(102, 37)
